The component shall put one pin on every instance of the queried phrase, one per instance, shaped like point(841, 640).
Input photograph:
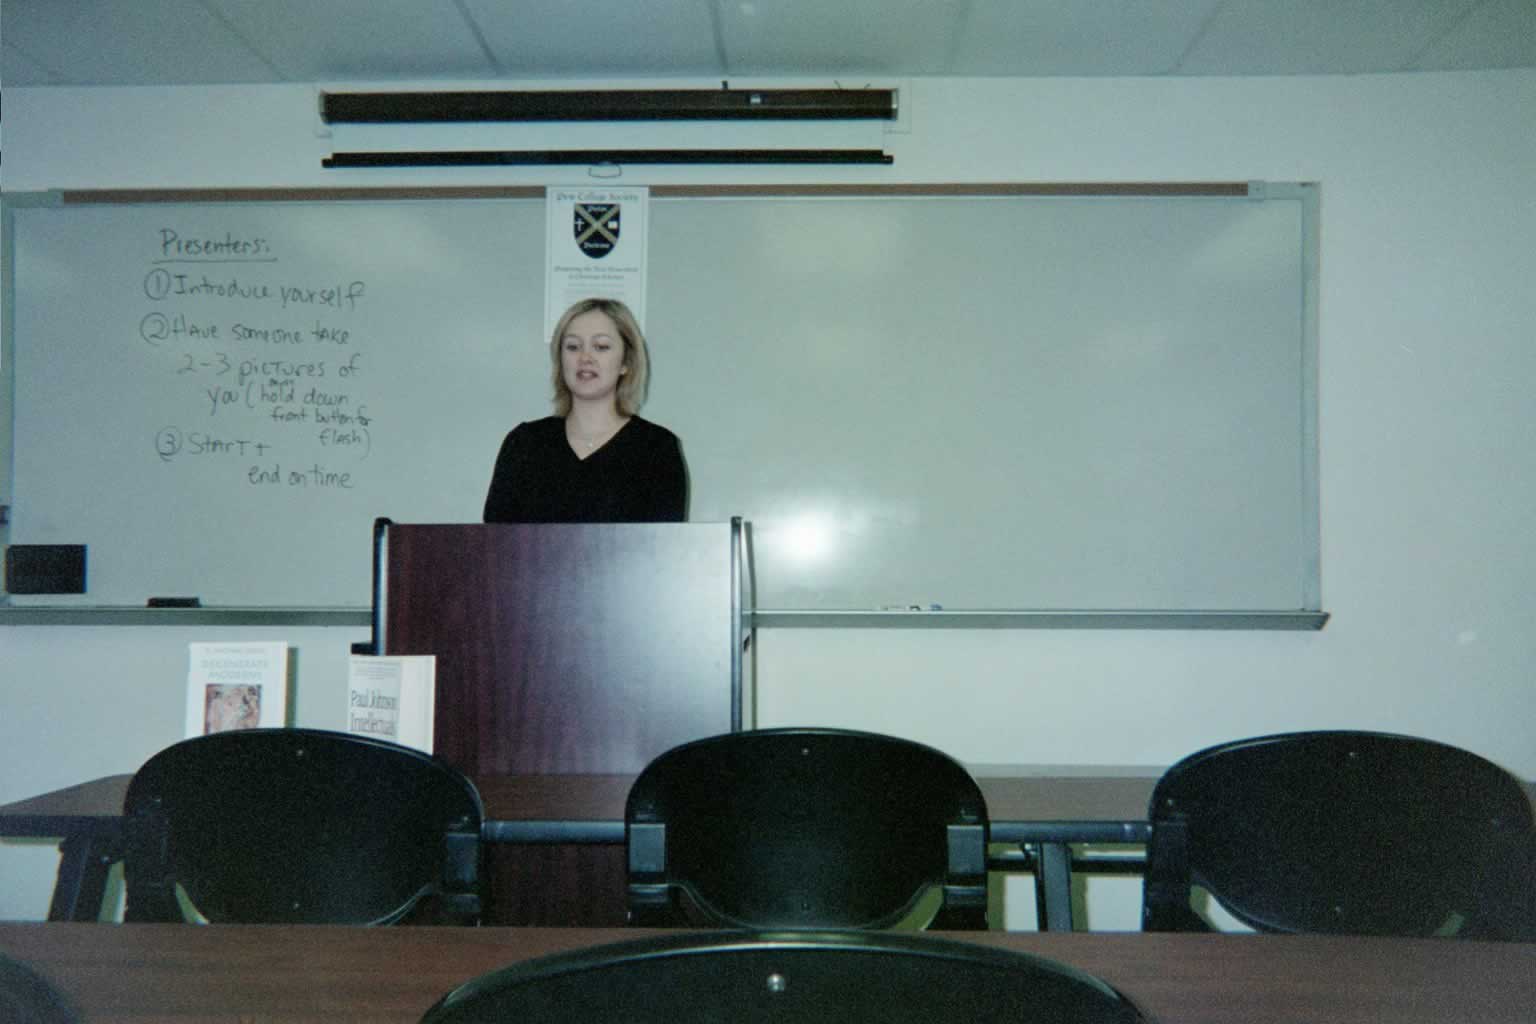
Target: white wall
point(1428, 354)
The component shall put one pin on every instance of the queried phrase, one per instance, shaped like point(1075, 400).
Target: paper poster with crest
point(595, 246)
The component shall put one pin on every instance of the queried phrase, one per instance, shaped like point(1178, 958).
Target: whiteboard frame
point(1310, 617)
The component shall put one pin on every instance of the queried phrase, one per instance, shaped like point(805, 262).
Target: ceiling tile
point(818, 37)
point(1110, 37)
point(1497, 34)
point(599, 38)
point(173, 42)
point(112, 42)
point(320, 40)
point(1298, 37)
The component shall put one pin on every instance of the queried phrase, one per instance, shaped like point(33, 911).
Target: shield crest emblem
point(596, 228)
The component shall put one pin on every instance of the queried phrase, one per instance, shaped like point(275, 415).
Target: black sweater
point(637, 477)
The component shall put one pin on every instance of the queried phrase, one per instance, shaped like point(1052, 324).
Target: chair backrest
point(883, 977)
point(300, 826)
point(804, 828)
point(26, 997)
point(1333, 832)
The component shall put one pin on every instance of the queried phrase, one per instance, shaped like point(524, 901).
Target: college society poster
point(595, 246)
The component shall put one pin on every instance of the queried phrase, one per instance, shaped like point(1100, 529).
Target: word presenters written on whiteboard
point(273, 365)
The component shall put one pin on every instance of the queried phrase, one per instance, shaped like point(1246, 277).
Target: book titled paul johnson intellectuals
point(393, 697)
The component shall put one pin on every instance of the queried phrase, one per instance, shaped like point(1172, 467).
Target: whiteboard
point(972, 401)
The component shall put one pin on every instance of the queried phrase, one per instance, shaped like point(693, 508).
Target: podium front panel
point(567, 648)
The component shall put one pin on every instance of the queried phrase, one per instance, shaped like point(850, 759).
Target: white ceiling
point(177, 42)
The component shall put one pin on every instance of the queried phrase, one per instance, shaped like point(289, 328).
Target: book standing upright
point(236, 686)
point(393, 698)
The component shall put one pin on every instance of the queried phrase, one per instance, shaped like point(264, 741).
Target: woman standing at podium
point(596, 460)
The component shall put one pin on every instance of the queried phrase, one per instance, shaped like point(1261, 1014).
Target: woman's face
point(592, 356)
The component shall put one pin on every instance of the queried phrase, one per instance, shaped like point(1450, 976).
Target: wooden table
point(590, 808)
point(1046, 810)
point(134, 974)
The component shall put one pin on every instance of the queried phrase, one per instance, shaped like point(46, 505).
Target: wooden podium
point(566, 649)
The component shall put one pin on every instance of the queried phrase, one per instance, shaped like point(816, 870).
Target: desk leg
point(84, 862)
point(1053, 887)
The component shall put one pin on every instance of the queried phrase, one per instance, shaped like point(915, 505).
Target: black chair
point(266, 826)
point(880, 977)
point(26, 997)
point(1339, 832)
point(804, 828)
point(1508, 896)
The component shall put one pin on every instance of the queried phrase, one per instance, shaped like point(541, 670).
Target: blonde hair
point(631, 390)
